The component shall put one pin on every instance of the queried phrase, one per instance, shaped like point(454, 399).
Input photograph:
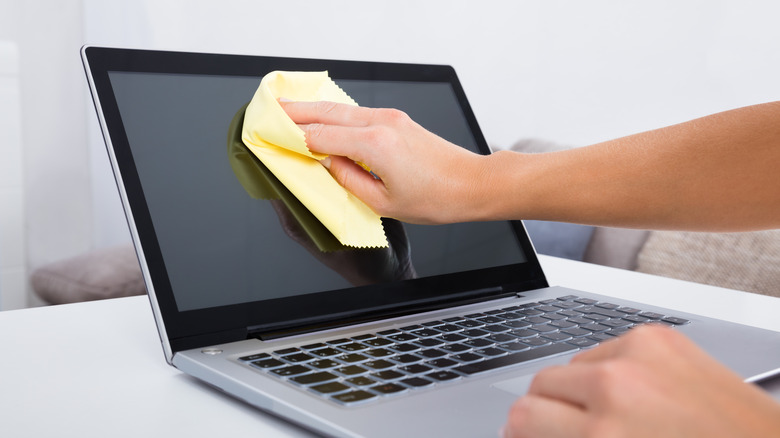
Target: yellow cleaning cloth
point(281, 145)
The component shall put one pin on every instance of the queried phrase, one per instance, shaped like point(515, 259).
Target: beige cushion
point(103, 273)
point(616, 247)
point(743, 261)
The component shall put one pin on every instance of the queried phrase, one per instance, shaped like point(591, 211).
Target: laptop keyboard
point(371, 366)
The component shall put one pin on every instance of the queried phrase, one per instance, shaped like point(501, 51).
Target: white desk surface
point(97, 369)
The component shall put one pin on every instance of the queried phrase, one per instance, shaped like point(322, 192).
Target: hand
point(651, 382)
point(423, 178)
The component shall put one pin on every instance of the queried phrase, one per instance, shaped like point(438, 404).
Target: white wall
point(54, 154)
point(571, 71)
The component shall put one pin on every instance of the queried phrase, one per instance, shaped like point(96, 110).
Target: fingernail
point(325, 162)
point(284, 99)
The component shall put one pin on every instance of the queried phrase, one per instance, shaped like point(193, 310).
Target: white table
point(97, 369)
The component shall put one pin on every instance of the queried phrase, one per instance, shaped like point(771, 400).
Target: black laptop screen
point(228, 233)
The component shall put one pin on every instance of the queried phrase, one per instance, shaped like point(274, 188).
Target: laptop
point(435, 335)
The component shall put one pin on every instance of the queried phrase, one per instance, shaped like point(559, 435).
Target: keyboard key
point(500, 338)
point(388, 375)
point(455, 348)
point(403, 337)
point(416, 382)
point(470, 323)
point(629, 310)
point(361, 381)
point(415, 368)
point(432, 353)
point(514, 346)
point(378, 352)
point(268, 363)
point(405, 348)
point(339, 341)
point(409, 328)
point(389, 388)
point(426, 333)
point(407, 358)
point(441, 363)
point(291, 370)
point(353, 347)
point(353, 396)
point(609, 306)
point(378, 364)
point(363, 337)
point(449, 328)
point(478, 343)
point(351, 370)
point(600, 337)
point(453, 319)
point(544, 328)
point(586, 301)
point(514, 358)
point(475, 333)
point(614, 323)
point(517, 324)
point(577, 332)
point(553, 316)
point(568, 298)
point(595, 327)
point(432, 323)
point(530, 312)
point(563, 324)
point(524, 333)
point(310, 379)
point(490, 319)
point(636, 319)
point(676, 321)
point(452, 337)
point(491, 351)
point(468, 357)
point(535, 342)
point(326, 352)
point(298, 357)
point(330, 388)
point(442, 376)
point(651, 315)
point(378, 342)
point(389, 332)
point(429, 342)
point(255, 357)
point(583, 342)
point(323, 364)
point(352, 358)
point(496, 328)
point(556, 337)
point(286, 351)
point(537, 319)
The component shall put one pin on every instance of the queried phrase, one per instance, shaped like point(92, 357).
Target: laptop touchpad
point(517, 386)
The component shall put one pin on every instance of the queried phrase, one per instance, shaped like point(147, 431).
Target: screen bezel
point(195, 328)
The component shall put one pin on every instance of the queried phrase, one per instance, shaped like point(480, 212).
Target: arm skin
point(717, 173)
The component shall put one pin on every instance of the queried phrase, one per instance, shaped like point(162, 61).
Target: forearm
point(717, 173)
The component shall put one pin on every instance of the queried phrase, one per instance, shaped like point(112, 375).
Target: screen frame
point(196, 328)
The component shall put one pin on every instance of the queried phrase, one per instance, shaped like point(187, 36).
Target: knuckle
point(325, 107)
point(392, 116)
point(314, 131)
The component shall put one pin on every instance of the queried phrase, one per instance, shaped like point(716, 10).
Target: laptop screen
point(220, 232)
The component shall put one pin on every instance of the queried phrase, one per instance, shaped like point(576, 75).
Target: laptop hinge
point(268, 333)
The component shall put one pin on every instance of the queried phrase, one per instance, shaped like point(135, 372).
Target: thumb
point(357, 181)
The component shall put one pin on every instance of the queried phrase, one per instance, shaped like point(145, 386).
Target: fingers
point(358, 182)
point(572, 384)
point(534, 416)
point(329, 113)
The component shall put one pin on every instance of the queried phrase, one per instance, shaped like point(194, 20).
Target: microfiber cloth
point(260, 183)
point(281, 146)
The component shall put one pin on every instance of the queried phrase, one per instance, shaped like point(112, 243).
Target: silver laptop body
point(436, 335)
